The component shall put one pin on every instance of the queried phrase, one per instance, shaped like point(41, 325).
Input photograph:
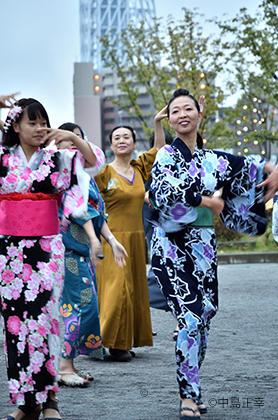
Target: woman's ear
point(200, 117)
point(15, 127)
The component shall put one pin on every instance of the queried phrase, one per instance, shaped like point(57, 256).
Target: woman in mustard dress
point(123, 292)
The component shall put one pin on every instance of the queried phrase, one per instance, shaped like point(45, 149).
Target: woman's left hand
point(119, 252)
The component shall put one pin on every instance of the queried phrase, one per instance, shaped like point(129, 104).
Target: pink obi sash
point(29, 214)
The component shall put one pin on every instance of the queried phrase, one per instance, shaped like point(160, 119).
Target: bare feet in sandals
point(70, 376)
point(72, 379)
point(188, 409)
point(84, 375)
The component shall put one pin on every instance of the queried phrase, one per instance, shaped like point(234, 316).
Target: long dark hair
point(34, 109)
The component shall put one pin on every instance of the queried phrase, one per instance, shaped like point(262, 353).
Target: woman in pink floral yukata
point(32, 181)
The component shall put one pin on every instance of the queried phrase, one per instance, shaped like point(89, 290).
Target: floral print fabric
point(184, 258)
point(79, 303)
point(32, 271)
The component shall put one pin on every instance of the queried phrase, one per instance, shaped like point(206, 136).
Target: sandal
point(84, 375)
point(30, 412)
point(189, 417)
point(50, 404)
point(189, 409)
point(74, 380)
point(203, 409)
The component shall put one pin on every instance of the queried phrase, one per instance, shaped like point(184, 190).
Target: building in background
point(95, 85)
point(100, 17)
point(95, 111)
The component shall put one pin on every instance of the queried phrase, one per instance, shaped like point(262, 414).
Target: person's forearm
point(2, 126)
point(214, 203)
point(89, 229)
point(84, 148)
point(106, 233)
point(159, 137)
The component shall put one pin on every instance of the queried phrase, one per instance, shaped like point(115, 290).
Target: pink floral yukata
point(32, 267)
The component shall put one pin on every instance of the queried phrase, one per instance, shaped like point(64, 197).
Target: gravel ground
point(239, 375)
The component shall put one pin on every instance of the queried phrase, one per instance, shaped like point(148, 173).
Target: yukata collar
point(181, 146)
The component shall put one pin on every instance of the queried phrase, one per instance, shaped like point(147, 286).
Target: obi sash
point(204, 218)
point(29, 214)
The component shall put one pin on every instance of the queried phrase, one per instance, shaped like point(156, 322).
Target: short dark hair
point(182, 92)
point(34, 109)
point(168, 138)
point(71, 127)
point(123, 126)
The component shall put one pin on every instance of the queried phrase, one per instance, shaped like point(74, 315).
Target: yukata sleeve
point(96, 209)
point(244, 209)
point(145, 163)
point(96, 217)
point(75, 181)
point(172, 191)
point(100, 161)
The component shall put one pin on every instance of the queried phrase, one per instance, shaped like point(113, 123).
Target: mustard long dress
point(123, 292)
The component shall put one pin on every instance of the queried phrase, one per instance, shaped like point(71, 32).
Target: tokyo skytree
point(99, 17)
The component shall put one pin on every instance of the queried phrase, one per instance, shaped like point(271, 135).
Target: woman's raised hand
point(161, 114)
point(7, 101)
point(202, 103)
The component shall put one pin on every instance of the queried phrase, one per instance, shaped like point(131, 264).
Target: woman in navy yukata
point(185, 185)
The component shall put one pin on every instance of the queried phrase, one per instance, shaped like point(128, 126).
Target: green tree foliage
point(174, 54)
point(251, 55)
point(162, 58)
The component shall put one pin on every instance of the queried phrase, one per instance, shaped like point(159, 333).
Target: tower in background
point(95, 86)
point(100, 17)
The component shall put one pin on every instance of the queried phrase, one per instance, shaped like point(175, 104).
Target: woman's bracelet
point(110, 237)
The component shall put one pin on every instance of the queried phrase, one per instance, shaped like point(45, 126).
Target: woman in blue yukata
point(185, 185)
point(79, 303)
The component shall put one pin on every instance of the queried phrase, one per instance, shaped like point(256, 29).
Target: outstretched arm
point(82, 145)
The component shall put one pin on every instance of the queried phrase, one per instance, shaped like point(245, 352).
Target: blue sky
point(40, 43)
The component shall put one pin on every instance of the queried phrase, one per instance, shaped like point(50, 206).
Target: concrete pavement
point(239, 375)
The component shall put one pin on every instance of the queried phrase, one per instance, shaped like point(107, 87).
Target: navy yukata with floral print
point(184, 254)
